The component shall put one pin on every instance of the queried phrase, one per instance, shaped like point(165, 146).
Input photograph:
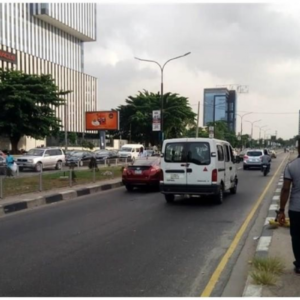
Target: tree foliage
point(28, 105)
point(136, 117)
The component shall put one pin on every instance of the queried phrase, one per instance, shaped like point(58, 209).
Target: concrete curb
point(264, 242)
point(56, 197)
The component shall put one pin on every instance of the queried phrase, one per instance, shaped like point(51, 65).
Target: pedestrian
point(9, 164)
point(291, 191)
point(142, 153)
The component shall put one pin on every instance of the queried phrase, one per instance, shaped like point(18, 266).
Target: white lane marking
point(278, 191)
point(267, 220)
point(264, 243)
point(276, 197)
point(273, 207)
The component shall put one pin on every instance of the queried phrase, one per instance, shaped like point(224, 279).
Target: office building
point(219, 104)
point(48, 38)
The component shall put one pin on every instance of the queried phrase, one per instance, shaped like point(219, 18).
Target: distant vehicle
point(130, 151)
point(252, 159)
point(103, 155)
point(80, 158)
point(198, 166)
point(145, 171)
point(42, 158)
point(272, 153)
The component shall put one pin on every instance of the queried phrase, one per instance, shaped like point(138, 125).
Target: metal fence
point(68, 176)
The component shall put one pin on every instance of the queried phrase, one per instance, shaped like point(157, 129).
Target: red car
point(145, 171)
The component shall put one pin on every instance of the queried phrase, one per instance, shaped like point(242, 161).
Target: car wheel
point(21, 169)
point(218, 199)
point(129, 188)
point(39, 167)
point(234, 188)
point(170, 198)
point(245, 167)
point(58, 165)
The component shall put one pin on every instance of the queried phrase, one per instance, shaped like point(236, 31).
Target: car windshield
point(126, 149)
point(254, 153)
point(35, 152)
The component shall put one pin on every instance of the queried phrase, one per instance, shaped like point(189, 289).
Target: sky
point(257, 45)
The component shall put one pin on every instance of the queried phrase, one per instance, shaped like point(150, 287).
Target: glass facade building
point(48, 38)
point(219, 104)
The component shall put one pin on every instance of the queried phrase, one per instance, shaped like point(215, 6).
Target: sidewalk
point(31, 200)
point(276, 243)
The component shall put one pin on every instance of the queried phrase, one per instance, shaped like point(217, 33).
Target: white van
point(130, 151)
point(197, 166)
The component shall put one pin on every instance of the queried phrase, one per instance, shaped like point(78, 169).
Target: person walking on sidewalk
point(292, 179)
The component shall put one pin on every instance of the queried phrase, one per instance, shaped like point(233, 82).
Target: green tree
point(28, 105)
point(136, 117)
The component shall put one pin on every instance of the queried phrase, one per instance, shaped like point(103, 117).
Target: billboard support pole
point(102, 139)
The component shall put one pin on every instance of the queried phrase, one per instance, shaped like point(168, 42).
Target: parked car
point(145, 171)
point(198, 166)
point(42, 158)
point(2, 166)
point(80, 158)
point(252, 159)
point(103, 155)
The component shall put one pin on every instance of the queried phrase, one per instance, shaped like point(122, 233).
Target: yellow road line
point(222, 264)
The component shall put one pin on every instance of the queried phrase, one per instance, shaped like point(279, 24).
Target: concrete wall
point(25, 143)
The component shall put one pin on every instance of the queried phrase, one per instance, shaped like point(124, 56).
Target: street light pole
point(260, 128)
point(252, 122)
point(242, 116)
point(162, 88)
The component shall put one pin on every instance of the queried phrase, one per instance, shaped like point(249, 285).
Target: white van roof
point(193, 140)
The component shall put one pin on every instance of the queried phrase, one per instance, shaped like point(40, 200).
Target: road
point(123, 244)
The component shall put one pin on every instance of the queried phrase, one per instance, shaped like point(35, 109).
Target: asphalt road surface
point(123, 244)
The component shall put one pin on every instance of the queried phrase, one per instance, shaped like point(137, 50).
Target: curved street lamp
point(162, 87)
point(242, 116)
point(252, 122)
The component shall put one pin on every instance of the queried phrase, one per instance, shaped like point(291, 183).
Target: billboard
point(102, 120)
point(156, 120)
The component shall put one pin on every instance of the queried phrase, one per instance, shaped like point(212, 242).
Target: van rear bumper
point(189, 189)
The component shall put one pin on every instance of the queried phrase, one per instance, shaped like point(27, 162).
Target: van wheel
point(218, 199)
point(234, 188)
point(170, 198)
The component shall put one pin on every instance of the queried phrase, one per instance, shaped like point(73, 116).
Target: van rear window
point(193, 152)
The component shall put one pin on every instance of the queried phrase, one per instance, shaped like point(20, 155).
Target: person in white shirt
point(142, 153)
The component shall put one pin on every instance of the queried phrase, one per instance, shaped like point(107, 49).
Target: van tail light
point(246, 157)
point(214, 175)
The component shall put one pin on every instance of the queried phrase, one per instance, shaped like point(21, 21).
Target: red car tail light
point(214, 175)
point(246, 157)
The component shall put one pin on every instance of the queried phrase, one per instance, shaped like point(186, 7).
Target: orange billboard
point(102, 120)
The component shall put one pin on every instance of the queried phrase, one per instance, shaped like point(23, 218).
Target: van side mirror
point(234, 160)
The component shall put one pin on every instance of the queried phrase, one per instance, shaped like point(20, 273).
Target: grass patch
point(263, 278)
point(270, 264)
point(22, 185)
point(266, 270)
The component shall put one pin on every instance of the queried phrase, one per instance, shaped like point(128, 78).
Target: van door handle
point(189, 170)
point(230, 168)
point(185, 165)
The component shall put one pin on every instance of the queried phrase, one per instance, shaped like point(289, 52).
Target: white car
point(198, 166)
point(42, 158)
point(130, 151)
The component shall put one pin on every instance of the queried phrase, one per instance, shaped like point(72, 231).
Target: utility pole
point(198, 117)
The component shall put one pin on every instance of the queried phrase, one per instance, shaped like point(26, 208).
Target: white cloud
point(253, 44)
